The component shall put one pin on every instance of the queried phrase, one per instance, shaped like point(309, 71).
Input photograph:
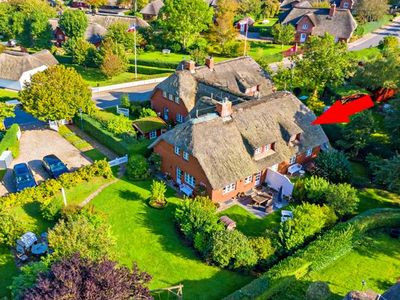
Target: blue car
point(23, 177)
point(54, 166)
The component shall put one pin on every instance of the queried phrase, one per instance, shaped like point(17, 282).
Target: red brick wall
point(300, 159)
point(349, 2)
point(299, 29)
point(158, 103)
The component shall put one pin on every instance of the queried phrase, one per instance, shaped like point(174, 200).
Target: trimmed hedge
point(117, 144)
point(75, 140)
point(149, 70)
point(336, 243)
point(157, 64)
point(10, 141)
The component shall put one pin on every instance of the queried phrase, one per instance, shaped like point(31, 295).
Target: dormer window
point(258, 151)
point(171, 97)
point(185, 155)
point(264, 150)
point(164, 94)
point(177, 150)
point(253, 90)
point(295, 139)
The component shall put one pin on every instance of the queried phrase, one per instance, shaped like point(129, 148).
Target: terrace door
point(258, 178)
point(178, 176)
point(166, 112)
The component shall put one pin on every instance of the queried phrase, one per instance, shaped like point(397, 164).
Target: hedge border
point(334, 244)
point(10, 141)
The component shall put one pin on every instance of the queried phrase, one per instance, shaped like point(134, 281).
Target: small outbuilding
point(228, 222)
point(150, 127)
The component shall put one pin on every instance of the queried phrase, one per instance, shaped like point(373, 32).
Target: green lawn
point(267, 51)
point(371, 26)
point(94, 154)
point(365, 54)
point(6, 95)
point(376, 260)
point(249, 224)
point(149, 237)
point(373, 198)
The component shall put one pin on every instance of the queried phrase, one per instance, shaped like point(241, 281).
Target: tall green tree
point(370, 10)
point(6, 111)
point(386, 172)
point(118, 32)
point(324, 62)
point(392, 123)
point(283, 34)
point(271, 8)
point(74, 23)
point(253, 8)
point(36, 32)
point(184, 20)
point(343, 199)
point(57, 93)
point(222, 30)
point(96, 3)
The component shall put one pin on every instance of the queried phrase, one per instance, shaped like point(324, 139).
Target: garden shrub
point(158, 64)
point(318, 290)
point(343, 199)
point(319, 254)
point(333, 166)
point(262, 247)
point(116, 124)
point(11, 228)
point(138, 167)
point(147, 112)
point(158, 190)
point(231, 249)
point(10, 141)
point(311, 189)
point(125, 102)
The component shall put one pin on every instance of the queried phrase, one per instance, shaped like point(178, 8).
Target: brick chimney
point(332, 10)
point(224, 108)
point(210, 62)
point(190, 65)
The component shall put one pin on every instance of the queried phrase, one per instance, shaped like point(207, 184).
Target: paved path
point(112, 98)
point(372, 39)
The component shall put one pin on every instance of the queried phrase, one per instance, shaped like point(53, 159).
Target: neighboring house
point(152, 9)
point(177, 96)
point(392, 293)
point(318, 21)
point(17, 68)
point(97, 27)
point(289, 4)
point(150, 127)
point(244, 24)
point(235, 148)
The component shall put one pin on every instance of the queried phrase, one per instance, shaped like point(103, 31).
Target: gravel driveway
point(35, 144)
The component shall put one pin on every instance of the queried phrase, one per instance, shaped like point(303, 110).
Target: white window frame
point(165, 95)
point(153, 134)
point(170, 97)
point(177, 150)
point(229, 188)
point(179, 118)
point(258, 151)
point(185, 155)
point(177, 100)
point(268, 147)
point(248, 179)
point(305, 26)
point(346, 5)
point(190, 180)
point(293, 159)
point(309, 152)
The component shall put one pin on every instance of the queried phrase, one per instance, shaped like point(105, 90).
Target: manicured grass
point(75, 140)
point(149, 237)
point(371, 26)
point(260, 24)
point(376, 260)
point(8, 269)
point(94, 154)
point(268, 52)
point(6, 95)
point(148, 124)
point(373, 198)
point(249, 224)
point(365, 54)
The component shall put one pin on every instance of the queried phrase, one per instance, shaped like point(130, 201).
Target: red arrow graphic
point(340, 113)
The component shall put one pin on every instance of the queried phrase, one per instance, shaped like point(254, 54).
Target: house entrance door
point(303, 37)
point(178, 176)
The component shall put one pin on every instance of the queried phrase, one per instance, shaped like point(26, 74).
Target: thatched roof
point(106, 20)
point(224, 147)
point(95, 33)
point(13, 64)
point(229, 79)
point(341, 24)
point(153, 8)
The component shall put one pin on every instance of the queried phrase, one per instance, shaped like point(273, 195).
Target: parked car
point(54, 166)
point(23, 177)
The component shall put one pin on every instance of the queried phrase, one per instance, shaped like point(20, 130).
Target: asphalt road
point(372, 39)
point(112, 98)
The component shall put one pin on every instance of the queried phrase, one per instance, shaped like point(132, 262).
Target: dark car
point(54, 166)
point(23, 177)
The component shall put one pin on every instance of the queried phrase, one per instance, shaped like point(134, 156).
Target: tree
point(383, 72)
point(387, 172)
point(57, 93)
point(74, 23)
point(6, 12)
point(10, 228)
point(262, 247)
point(253, 8)
point(333, 166)
point(311, 189)
point(36, 32)
point(390, 44)
point(6, 111)
point(283, 34)
point(82, 51)
point(315, 104)
point(113, 57)
point(184, 20)
point(76, 278)
point(26, 278)
point(392, 123)
point(119, 33)
point(222, 30)
point(318, 290)
point(125, 102)
point(343, 199)
point(96, 3)
point(232, 249)
point(147, 112)
point(324, 62)
point(357, 134)
point(271, 8)
point(308, 220)
point(82, 232)
point(370, 10)
point(138, 167)
point(158, 190)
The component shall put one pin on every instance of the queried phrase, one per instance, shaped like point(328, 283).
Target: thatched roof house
point(16, 68)
point(240, 77)
point(242, 140)
point(152, 9)
point(318, 21)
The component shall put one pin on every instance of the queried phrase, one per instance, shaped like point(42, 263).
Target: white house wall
point(26, 76)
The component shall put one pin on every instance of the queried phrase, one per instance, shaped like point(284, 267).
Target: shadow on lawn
point(379, 242)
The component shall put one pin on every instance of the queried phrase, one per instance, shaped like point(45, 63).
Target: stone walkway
point(107, 152)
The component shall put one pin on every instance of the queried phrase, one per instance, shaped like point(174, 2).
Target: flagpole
point(135, 53)
point(245, 39)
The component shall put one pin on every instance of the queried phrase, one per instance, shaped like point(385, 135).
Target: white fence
point(126, 85)
point(123, 111)
point(55, 124)
point(119, 161)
